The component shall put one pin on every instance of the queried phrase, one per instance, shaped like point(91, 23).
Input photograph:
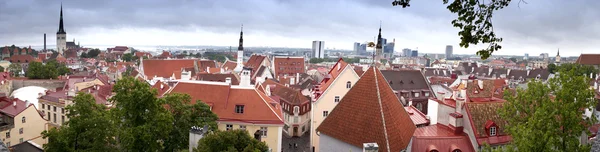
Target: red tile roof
point(332, 75)
point(12, 107)
point(441, 138)
point(165, 68)
point(288, 65)
point(255, 61)
point(205, 64)
point(5, 50)
point(166, 54)
point(161, 87)
point(370, 112)
point(289, 95)
point(481, 113)
point(142, 54)
point(258, 108)
point(229, 65)
point(588, 59)
point(235, 80)
point(417, 117)
point(21, 58)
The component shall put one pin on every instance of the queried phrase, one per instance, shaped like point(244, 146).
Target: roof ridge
point(387, 142)
point(267, 104)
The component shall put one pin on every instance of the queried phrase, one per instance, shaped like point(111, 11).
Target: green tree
point(84, 55)
point(580, 70)
point(14, 69)
point(474, 21)
point(93, 53)
point(37, 70)
point(513, 59)
point(316, 60)
point(550, 117)
point(230, 141)
point(186, 115)
point(552, 68)
point(1, 69)
point(89, 128)
point(127, 57)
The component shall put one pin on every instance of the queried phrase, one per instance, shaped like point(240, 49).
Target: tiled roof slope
point(480, 113)
point(405, 79)
point(223, 99)
point(370, 112)
point(219, 77)
point(229, 65)
point(588, 59)
point(288, 94)
point(333, 74)
point(165, 68)
point(255, 61)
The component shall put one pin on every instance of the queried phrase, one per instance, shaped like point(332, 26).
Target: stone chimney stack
point(370, 147)
point(245, 77)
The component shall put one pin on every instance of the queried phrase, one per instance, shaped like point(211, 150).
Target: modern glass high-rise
point(356, 48)
point(449, 51)
point(318, 49)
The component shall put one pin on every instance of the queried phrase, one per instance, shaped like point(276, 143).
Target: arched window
point(348, 85)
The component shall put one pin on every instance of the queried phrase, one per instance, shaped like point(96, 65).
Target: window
point(54, 108)
point(20, 130)
point(492, 131)
point(325, 113)
point(23, 119)
point(239, 108)
point(303, 128)
point(62, 119)
point(242, 127)
point(228, 127)
point(8, 134)
point(417, 95)
point(263, 131)
point(54, 118)
point(48, 107)
point(427, 94)
point(296, 109)
point(63, 110)
point(20, 140)
point(348, 85)
point(336, 99)
point(295, 119)
point(49, 116)
point(43, 106)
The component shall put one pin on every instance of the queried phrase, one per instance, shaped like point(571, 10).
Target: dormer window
point(492, 131)
point(296, 109)
point(417, 94)
point(427, 94)
point(239, 109)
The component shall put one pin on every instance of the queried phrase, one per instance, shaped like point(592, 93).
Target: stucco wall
point(6, 88)
point(330, 144)
point(326, 101)
point(48, 84)
point(274, 133)
point(32, 128)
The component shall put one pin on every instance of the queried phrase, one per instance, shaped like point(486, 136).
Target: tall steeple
point(240, 53)
point(61, 28)
point(378, 46)
point(558, 52)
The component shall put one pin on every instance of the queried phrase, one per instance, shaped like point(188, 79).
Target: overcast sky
point(541, 26)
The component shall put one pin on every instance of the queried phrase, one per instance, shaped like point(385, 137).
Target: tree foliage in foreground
point(139, 121)
point(15, 69)
point(89, 128)
point(474, 21)
point(230, 141)
point(550, 117)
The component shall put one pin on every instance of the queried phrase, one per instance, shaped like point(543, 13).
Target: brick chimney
point(370, 147)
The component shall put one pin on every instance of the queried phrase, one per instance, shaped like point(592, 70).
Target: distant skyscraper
point(356, 48)
point(383, 41)
point(362, 49)
point(388, 49)
point(318, 49)
point(448, 51)
point(414, 53)
point(406, 52)
point(526, 56)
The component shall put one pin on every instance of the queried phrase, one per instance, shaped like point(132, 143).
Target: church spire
point(379, 45)
point(558, 52)
point(241, 46)
point(61, 29)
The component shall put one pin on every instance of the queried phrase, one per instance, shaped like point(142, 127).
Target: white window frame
point(493, 131)
point(228, 127)
point(336, 99)
point(325, 113)
point(263, 131)
point(242, 127)
point(417, 94)
point(239, 109)
point(348, 85)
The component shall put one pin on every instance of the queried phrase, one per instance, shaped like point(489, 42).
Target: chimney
point(370, 147)
point(298, 77)
point(162, 86)
point(455, 119)
point(441, 95)
point(528, 72)
point(228, 80)
point(208, 69)
point(14, 103)
point(44, 42)
point(410, 103)
point(292, 80)
point(507, 72)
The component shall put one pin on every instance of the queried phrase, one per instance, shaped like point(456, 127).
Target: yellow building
point(329, 93)
point(20, 122)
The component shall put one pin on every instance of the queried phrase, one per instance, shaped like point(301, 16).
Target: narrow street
point(303, 143)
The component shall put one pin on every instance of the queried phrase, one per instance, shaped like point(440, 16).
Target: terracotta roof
point(229, 65)
point(218, 77)
point(165, 68)
point(12, 110)
point(417, 117)
point(161, 87)
point(480, 115)
point(204, 64)
point(5, 50)
point(370, 112)
point(332, 75)
point(288, 65)
point(255, 61)
point(142, 54)
point(441, 138)
point(291, 96)
point(21, 58)
point(588, 59)
point(166, 54)
point(258, 108)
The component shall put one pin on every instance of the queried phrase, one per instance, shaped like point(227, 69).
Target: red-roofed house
point(20, 122)
point(143, 54)
point(296, 107)
point(285, 65)
point(589, 59)
point(165, 69)
point(369, 113)
point(239, 107)
point(330, 91)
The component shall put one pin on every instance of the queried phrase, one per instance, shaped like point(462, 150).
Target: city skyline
point(276, 23)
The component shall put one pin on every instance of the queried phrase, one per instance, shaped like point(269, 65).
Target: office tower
point(356, 48)
point(448, 51)
point(526, 56)
point(406, 52)
point(363, 49)
point(318, 49)
point(388, 49)
point(414, 53)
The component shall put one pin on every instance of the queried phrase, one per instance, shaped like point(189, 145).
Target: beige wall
point(55, 117)
point(32, 128)
point(274, 132)
point(326, 101)
point(303, 121)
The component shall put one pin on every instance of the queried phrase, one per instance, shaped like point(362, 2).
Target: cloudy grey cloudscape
point(536, 27)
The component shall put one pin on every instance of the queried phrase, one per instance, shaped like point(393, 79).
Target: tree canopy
point(50, 70)
point(89, 128)
point(474, 21)
point(550, 116)
point(15, 69)
point(127, 57)
point(580, 70)
point(140, 121)
point(230, 141)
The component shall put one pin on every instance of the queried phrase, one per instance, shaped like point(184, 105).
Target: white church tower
point(61, 35)
point(240, 53)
